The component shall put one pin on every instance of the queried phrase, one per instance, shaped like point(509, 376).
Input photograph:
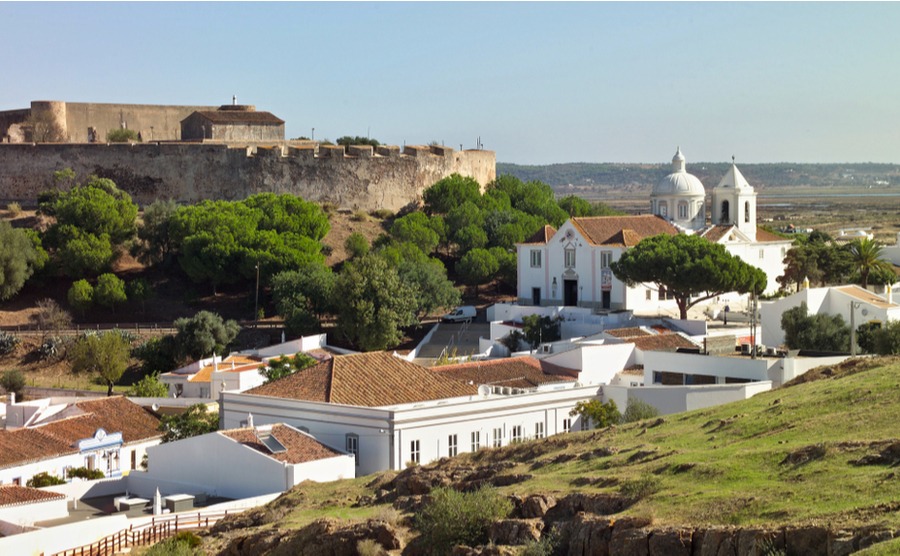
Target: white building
point(571, 266)
point(388, 412)
point(109, 434)
point(247, 462)
point(207, 377)
point(855, 304)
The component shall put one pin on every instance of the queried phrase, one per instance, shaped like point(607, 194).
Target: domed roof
point(679, 182)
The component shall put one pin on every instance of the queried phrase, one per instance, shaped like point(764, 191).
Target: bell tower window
point(747, 211)
point(723, 217)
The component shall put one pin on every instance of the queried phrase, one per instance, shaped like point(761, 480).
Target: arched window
point(723, 218)
point(663, 209)
point(747, 211)
point(683, 210)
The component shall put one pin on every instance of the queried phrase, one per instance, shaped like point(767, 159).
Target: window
point(415, 454)
point(682, 210)
point(567, 425)
point(498, 438)
point(747, 211)
point(17, 481)
point(663, 209)
point(516, 434)
point(353, 446)
point(476, 441)
point(723, 215)
point(535, 258)
point(133, 460)
point(605, 259)
point(762, 253)
point(570, 257)
point(452, 445)
point(539, 430)
point(648, 294)
point(585, 423)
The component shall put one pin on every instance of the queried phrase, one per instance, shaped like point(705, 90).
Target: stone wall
point(191, 172)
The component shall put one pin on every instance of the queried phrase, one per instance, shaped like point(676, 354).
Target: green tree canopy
point(98, 207)
point(690, 267)
point(13, 381)
point(149, 387)
point(478, 266)
point(283, 366)
point(81, 296)
point(600, 414)
point(204, 334)
point(348, 141)
point(539, 329)
point(819, 332)
point(374, 303)
point(20, 256)
point(865, 256)
point(156, 244)
point(110, 290)
point(197, 420)
point(450, 192)
point(105, 354)
point(82, 253)
point(416, 228)
point(314, 282)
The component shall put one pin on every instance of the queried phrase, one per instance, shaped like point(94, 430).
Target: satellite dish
point(484, 390)
point(865, 312)
point(155, 407)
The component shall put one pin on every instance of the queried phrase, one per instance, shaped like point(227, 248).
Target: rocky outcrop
point(323, 537)
point(516, 531)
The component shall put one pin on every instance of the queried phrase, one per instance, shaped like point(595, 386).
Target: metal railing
point(152, 532)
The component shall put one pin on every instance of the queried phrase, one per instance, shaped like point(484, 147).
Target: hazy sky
point(538, 82)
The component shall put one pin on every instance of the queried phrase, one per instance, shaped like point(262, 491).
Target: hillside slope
point(823, 454)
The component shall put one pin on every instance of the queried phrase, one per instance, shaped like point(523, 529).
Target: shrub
point(15, 209)
point(369, 547)
point(121, 135)
point(359, 216)
point(13, 381)
point(85, 473)
point(382, 213)
point(51, 349)
point(8, 343)
point(184, 543)
point(640, 488)
point(542, 547)
point(638, 410)
point(599, 413)
point(453, 517)
point(44, 479)
point(329, 208)
point(513, 340)
point(356, 245)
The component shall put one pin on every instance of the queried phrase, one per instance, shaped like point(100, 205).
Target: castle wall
point(165, 120)
point(191, 172)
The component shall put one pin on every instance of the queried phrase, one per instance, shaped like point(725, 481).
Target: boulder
point(670, 542)
point(805, 540)
point(516, 531)
point(537, 505)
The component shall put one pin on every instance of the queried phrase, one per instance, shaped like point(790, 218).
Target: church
point(571, 266)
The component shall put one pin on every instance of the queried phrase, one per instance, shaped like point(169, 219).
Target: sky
point(539, 83)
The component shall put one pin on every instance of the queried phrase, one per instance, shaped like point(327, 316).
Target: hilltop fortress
point(191, 153)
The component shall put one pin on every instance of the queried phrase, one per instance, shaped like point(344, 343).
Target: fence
point(156, 530)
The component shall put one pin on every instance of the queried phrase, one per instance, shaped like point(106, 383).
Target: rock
point(670, 542)
point(516, 531)
point(870, 538)
point(254, 545)
point(716, 542)
point(805, 540)
point(588, 536)
point(483, 551)
point(602, 504)
point(756, 542)
point(537, 506)
point(506, 480)
point(629, 542)
point(842, 544)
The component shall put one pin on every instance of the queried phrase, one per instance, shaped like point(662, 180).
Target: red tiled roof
point(239, 117)
point(542, 236)
point(662, 342)
point(715, 233)
point(78, 422)
point(622, 231)
point(627, 332)
point(518, 372)
point(764, 236)
point(366, 379)
point(300, 448)
point(13, 494)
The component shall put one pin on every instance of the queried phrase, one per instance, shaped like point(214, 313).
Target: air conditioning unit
point(771, 351)
point(546, 348)
point(745, 349)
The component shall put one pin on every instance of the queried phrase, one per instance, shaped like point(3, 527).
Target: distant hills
point(629, 177)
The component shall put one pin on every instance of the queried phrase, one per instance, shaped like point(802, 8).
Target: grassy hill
point(823, 452)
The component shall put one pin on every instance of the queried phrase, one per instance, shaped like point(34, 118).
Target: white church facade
point(571, 266)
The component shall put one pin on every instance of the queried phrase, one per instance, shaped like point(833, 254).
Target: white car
point(466, 313)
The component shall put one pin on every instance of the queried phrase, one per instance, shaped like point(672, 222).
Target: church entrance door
point(570, 293)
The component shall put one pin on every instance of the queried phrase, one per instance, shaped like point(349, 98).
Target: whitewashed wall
point(675, 399)
point(27, 514)
point(37, 543)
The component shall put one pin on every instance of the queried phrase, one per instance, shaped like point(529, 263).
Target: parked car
point(466, 313)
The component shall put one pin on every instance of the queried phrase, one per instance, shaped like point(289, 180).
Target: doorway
point(536, 296)
point(606, 299)
point(570, 293)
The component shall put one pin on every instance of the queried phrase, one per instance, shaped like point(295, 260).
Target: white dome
point(679, 182)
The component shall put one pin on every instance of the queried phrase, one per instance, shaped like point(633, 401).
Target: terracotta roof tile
point(764, 236)
point(715, 233)
point(13, 494)
point(622, 231)
point(662, 342)
point(241, 363)
point(518, 372)
point(627, 332)
point(300, 447)
point(61, 436)
point(239, 117)
point(372, 379)
point(541, 236)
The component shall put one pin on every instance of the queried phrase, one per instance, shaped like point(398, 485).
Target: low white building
point(389, 412)
point(247, 462)
point(21, 507)
point(109, 434)
point(207, 377)
point(855, 304)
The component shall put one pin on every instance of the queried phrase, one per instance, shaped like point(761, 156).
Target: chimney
point(250, 420)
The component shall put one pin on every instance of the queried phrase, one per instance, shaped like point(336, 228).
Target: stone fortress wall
point(359, 177)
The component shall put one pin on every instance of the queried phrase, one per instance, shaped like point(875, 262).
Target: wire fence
point(149, 533)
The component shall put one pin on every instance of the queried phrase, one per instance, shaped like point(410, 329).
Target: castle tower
point(734, 202)
point(680, 197)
